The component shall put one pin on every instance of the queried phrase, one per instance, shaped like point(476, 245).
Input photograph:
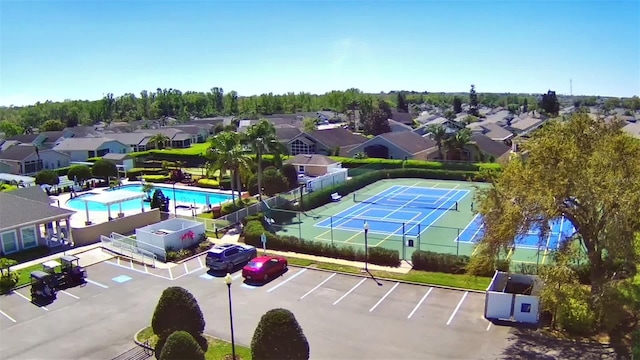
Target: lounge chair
point(335, 197)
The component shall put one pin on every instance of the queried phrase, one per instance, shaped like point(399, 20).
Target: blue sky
point(63, 49)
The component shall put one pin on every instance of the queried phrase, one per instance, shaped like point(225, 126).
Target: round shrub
point(278, 336)
point(180, 345)
point(177, 310)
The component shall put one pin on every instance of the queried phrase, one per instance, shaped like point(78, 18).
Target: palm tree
point(439, 135)
point(227, 154)
point(458, 142)
point(160, 140)
point(146, 188)
point(261, 137)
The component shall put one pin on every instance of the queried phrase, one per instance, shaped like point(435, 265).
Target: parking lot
point(342, 316)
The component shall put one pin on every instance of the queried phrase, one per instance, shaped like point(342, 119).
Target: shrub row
point(155, 178)
point(450, 263)
point(254, 228)
point(319, 198)
point(146, 171)
point(209, 183)
point(63, 171)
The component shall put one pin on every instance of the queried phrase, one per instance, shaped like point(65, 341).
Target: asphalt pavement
point(343, 316)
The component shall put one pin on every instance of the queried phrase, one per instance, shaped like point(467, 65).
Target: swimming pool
point(181, 196)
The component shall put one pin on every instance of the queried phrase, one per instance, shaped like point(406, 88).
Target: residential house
point(325, 142)
point(402, 117)
point(178, 139)
point(633, 129)
point(524, 125)
point(398, 145)
point(81, 149)
point(483, 148)
point(5, 144)
point(137, 141)
point(124, 160)
point(450, 126)
point(198, 133)
point(284, 133)
point(33, 223)
point(27, 139)
point(5, 168)
point(313, 164)
point(398, 126)
point(28, 159)
point(85, 131)
point(492, 131)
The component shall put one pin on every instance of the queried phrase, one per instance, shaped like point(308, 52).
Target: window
point(33, 166)
point(28, 235)
point(298, 147)
point(231, 252)
point(301, 168)
point(9, 242)
point(101, 153)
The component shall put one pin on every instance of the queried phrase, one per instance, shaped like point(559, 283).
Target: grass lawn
point(7, 187)
point(216, 351)
point(423, 277)
point(29, 254)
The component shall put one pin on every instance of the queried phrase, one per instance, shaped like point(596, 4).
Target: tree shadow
point(526, 343)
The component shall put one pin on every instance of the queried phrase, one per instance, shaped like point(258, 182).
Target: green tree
point(147, 188)
point(449, 115)
point(457, 144)
point(52, 125)
point(473, 101)
point(585, 170)
point(549, 103)
point(79, 173)
point(375, 119)
point(47, 177)
point(159, 140)
point(525, 106)
point(104, 169)
point(402, 105)
point(10, 129)
point(309, 125)
point(177, 310)
point(261, 138)
point(457, 105)
point(289, 171)
point(439, 135)
point(180, 345)
point(274, 181)
point(278, 336)
point(227, 154)
point(159, 201)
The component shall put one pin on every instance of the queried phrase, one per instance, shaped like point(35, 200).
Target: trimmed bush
point(180, 345)
point(63, 171)
point(436, 262)
point(377, 255)
point(278, 336)
point(155, 178)
point(177, 310)
point(209, 183)
point(146, 171)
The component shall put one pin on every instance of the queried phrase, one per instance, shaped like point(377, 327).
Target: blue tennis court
point(560, 230)
point(398, 210)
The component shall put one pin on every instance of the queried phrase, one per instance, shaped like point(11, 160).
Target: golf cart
point(43, 286)
point(67, 272)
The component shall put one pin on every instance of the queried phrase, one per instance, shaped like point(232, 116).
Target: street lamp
point(228, 280)
point(175, 204)
point(260, 145)
point(366, 246)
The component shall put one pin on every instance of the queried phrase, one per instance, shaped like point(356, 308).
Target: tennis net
point(406, 200)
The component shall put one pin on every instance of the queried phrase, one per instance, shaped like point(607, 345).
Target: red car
point(264, 267)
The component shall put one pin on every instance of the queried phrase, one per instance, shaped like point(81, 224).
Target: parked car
point(227, 256)
point(264, 267)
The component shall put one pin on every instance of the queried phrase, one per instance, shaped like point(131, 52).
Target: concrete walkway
point(93, 254)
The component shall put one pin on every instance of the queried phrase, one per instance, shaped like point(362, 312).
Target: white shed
point(513, 298)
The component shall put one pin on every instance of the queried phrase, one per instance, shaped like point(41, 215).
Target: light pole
point(175, 204)
point(260, 145)
point(228, 280)
point(366, 246)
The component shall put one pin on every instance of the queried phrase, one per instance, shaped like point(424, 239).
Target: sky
point(57, 50)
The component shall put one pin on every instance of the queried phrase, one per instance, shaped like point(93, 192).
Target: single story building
point(313, 164)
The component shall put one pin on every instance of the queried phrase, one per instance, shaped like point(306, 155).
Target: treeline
point(184, 105)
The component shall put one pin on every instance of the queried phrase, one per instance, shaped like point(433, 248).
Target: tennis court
point(560, 229)
point(412, 214)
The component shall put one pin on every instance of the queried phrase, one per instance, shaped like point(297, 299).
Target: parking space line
point(145, 268)
point(69, 294)
point(118, 259)
point(186, 269)
point(350, 291)
point(7, 316)
point(136, 270)
point(317, 286)
point(489, 326)
point(170, 273)
point(236, 277)
point(419, 303)
point(200, 262)
point(287, 280)
point(384, 297)
point(187, 273)
point(29, 300)
point(96, 283)
point(457, 307)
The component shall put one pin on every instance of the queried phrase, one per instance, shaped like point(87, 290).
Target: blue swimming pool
point(181, 196)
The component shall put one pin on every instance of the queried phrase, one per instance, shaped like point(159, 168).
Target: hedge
point(146, 171)
point(437, 262)
point(155, 178)
point(209, 183)
point(63, 171)
point(321, 197)
point(254, 228)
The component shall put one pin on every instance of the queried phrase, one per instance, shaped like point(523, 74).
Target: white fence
point(130, 247)
point(331, 179)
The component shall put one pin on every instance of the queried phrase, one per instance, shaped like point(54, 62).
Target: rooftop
point(113, 197)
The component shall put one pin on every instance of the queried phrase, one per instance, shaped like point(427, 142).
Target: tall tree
point(457, 105)
point(473, 101)
point(218, 100)
point(585, 170)
point(228, 154)
point(549, 103)
point(108, 107)
point(279, 336)
point(439, 135)
point(402, 104)
point(261, 138)
point(525, 106)
point(159, 140)
point(52, 125)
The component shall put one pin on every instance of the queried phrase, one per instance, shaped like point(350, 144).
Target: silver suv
point(228, 256)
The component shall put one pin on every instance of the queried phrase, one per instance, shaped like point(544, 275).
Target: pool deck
point(78, 219)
